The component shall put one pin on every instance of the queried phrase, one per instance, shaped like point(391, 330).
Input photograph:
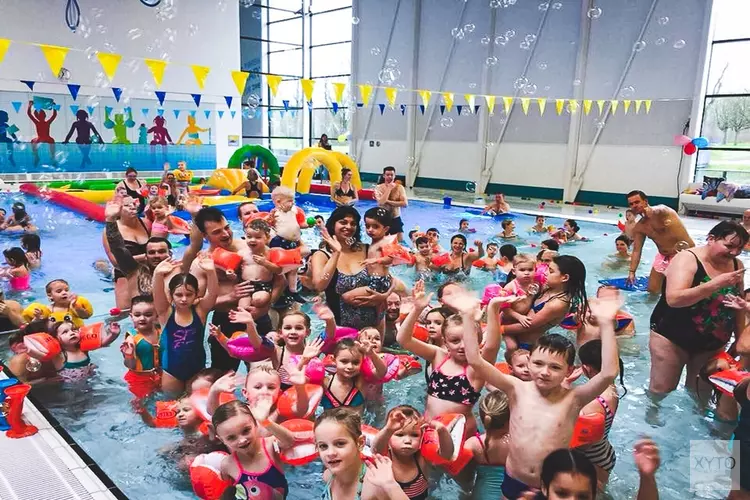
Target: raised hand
point(323, 311)
point(380, 472)
point(112, 209)
point(206, 263)
point(296, 376)
point(241, 315)
point(114, 328)
point(646, 457)
point(193, 205)
point(312, 349)
point(463, 302)
point(363, 346)
point(332, 243)
point(166, 266)
point(227, 383)
point(127, 349)
point(735, 302)
point(260, 407)
point(214, 330)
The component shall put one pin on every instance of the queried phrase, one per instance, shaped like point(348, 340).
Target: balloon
point(681, 140)
point(700, 142)
point(689, 148)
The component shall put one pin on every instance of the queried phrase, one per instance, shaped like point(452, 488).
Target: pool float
point(342, 332)
point(199, 400)
point(329, 363)
point(42, 346)
point(288, 400)
point(726, 380)
point(165, 416)
point(540, 273)
point(623, 321)
point(65, 200)
point(409, 366)
point(588, 429)
point(229, 179)
point(421, 333)
point(211, 201)
point(441, 260)
point(286, 259)
point(268, 159)
point(503, 367)
point(640, 284)
point(399, 253)
point(392, 366)
point(621, 226)
point(239, 347)
point(81, 302)
point(225, 260)
point(303, 451)
point(369, 433)
point(91, 336)
point(494, 290)
point(431, 445)
point(205, 476)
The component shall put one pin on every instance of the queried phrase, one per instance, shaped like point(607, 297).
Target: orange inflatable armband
point(42, 346)
point(503, 367)
point(421, 333)
point(588, 429)
point(286, 259)
point(205, 476)
point(431, 446)
point(91, 336)
point(166, 414)
point(288, 401)
point(226, 260)
point(303, 450)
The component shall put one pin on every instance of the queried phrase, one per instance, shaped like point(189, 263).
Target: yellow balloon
point(342, 138)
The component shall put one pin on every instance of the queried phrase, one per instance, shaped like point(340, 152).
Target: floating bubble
point(510, 33)
point(557, 6)
point(541, 65)
point(594, 13)
point(446, 122)
point(639, 46)
point(247, 3)
point(533, 289)
point(491, 61)
point(531, 38)
point(170, 34)
point(64, 75)
point(135, 33)
point(472, 85)
point(627, 92)
point(660, 41)
point(530, 89)
point(355, 20)
point(500, 40)
point(253, 101)
point(489, 145)
point(375, 51)
point(469, 28)
point(97, 13)
point(391, 62)
point(61, 157)
point(457, 33)
point(520, 83)
point(102, 29)
point(663, 20)
point(389, 75)
point(600, 125)
point(249, 113)
point(576, 82)
point(524, 45)
point(110, 47)
point(494, 4)
point(679, 44)
point(485, 40)
point(166, 10)
point(410, 160)
point(543, 6)
point(471, 187)
point(33, 365)
point(221, 5)
point(256, 14)
point(680, 246)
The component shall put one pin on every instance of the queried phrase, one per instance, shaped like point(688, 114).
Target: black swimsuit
point(348, 194)
point(137, 195)
point(134, 248)
point(253, 187)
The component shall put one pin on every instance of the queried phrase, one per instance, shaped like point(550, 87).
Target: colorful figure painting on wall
point(193, 132)
point(39, 118)
point(119, 125)
point(143, 134)
point(83, 128)
point(161, 134)
point(7, 130)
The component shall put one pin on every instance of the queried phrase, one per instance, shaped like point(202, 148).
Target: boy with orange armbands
point(140, 349)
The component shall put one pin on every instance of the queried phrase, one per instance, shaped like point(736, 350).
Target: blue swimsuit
point(181, 347)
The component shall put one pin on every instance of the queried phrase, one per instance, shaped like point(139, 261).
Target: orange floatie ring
point(179, 226)
point(480, 263)
point(91, 336)
point(421, 333)
point(288, 401)
point(285, 258)
point(441, 260)
point(726, 380)
point(399, 253)
point(589, 429)
point(431, 446)
point(303, 450)
point(226, 260)
point(166, 414)
point(42, 346)
point(503, 367)
point(205, 476)
point(199, 400)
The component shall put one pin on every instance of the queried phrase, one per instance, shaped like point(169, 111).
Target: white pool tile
point(103, 495)
point(66, 455)
point(51, 437)
point(86, 481)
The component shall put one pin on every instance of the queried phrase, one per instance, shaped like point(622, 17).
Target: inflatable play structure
point(299, 171)
point(65, 200)
point(270, 165)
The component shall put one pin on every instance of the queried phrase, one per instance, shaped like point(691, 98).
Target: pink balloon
point(681, 140)
point(689, 148)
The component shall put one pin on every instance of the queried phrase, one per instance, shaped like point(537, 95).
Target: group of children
point(20, 261)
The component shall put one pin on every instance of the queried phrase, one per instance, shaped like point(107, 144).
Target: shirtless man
point(211, 224)
point(392, 313)
point(498, 206)
point(664, 227)
point(392, 196)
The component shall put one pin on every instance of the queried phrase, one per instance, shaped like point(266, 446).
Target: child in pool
point(162, 224)
point(339, 441)
point(73, 364)
point(31, 243)
point(294, 352)
point(569, 232)
point(20, 220)
point(140, 349)
point(401, 439)
point(433, 235)
point(523, 286)
point(590, 329)
point(551, 362)
point(630, 223)
point(423, 257)
point(17, 273)
point(20, 363)
point(504, 269)
point(490, 450)
point(508, 227)
point(254, 463)
point(489, 261)
point(539, 226)
point(621, 257)
point(370, 336)
point(181, 341)
point(256, 268)
point(288, 221)
point(377, 224)
point(434, 321)
point(518, 361)
point(463, 227)
point(64, 304)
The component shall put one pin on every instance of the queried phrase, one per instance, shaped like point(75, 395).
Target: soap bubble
point(469, 28)
point(110, 47)
point(594, 13)
point(627, 92)
point(63, 75)
point(533, 289)
point(531, 38)
point(221, 5)
point(410, 160)
point(33, 365)
point(389, 75)
point(679, 44)
point(249, 113)
point(253, 101)
point(520, 83)
point(61, 157)
point(500, 40)
point(446, 122)
point(457, 33)
point(660, 41)
point(97, 13)
point(491, 61)
point(543, 6)
point(170, 34)
point(557, 6)
point(524, 45)
point(510, 33)
point(576, 82)
point(639, 46)
point(246, 3)
point(256, 14)
point(530, 89)
point(485, 40)
point(102, 29)
point(663, 20)
point(471, 187)
point(600, 125)
point(494, 4)
point(166, 10)
point(541, 65)
point(680, 246)
point(391, 62)
point(355, 20)
point(472, 85)
point(489, 145)
point(375, 51)
point(135, 33)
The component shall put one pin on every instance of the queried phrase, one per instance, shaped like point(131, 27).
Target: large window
point(726, 111)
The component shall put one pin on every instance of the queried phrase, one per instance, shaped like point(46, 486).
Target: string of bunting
point(55, 57)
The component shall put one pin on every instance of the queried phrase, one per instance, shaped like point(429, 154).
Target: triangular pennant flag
point(220, 113)
point(200, 73)
point(160, 112)
point(382, 108)
point(240, 78)
point(196, 99)
point(390, 95)
point(281, 113)
point(403, 109)
point(559, 105)
point(448, 99)
point(425, 95)
point(109, 63)
point(490, 99)
point(459, 107)
point(307, 88)
point(108, 109)
point(614, 103)
point(422, 108)
point(572, 106)
point(442, 109)
point(273, 82)
point(600, 105)
point(293, 113)
point(469, 100)
point(90, 109)
point(507, 102)
point(144, 111)
point(74, 108)
point(587, 105)
point(117, 92)
point(338, 91)
point(176, 113)
point(647, 102)
point(73, 89)
point(286, 104)
point(542, 102)
point(626, 105)
point(476, 108)
point(233, 113)
point(525, 101)
point(365, 90)
point(638, 103)
point(4, 44)
point(29, 83)
point(157, 67)
point(335, 107)
point(228, 99)
point(160, 95)
point(17, 105)
point(55, 57)
point(192, 113)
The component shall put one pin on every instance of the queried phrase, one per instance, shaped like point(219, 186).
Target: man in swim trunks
point(664, 227)
point(392, 196)
point(211, 224)
point(392, 313)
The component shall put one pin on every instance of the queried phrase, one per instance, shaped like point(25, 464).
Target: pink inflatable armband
point(540, 273)
point(494, 290)
point(392, 365)
point(315, 370)
point(342, 332)
point(240, 347)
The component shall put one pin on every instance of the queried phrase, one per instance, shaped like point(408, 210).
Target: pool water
point(98, 415)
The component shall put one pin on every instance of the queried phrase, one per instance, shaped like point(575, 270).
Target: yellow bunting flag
point(490, 99)
point(559, 105)
point(507, 103)
point(600, 104)
point(425, 95)
point(338, 91)
point(240, 78)
point(587, 106)
point(470, 101)
point(390, 95)
point(4, 44)
point(614, 103)
point(365, 91)
point(109, 63)
point(273, 82)
point(157, 68)
point(55, 57)
point(200, 73)
point(647, 102)
point(626, 105)
point(638, 103)
point(542, 102)
point(448, 99)
point(307, 88)
point(525, 101)
point(572, 106)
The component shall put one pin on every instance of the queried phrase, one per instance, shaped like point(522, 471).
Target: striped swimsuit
point(416, 489)
point(601, 453)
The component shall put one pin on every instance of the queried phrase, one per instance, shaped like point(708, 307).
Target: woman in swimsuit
point(690, 324)
point(136, 233)
point(253, 186)
point(344, 192)
point(460, 262)
point(133, 187)
point(340, 443)
point(337, 269)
